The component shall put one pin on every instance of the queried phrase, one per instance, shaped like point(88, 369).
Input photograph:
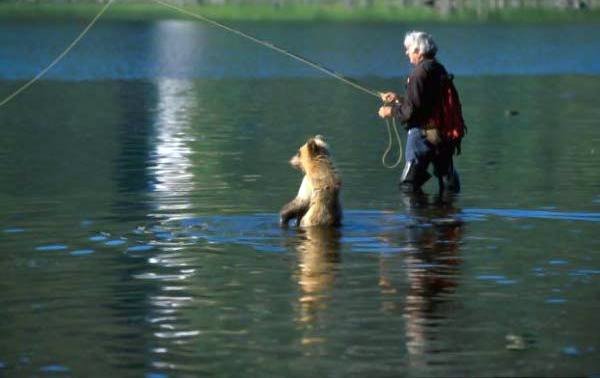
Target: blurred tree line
point(494, 4)
point(442, 5)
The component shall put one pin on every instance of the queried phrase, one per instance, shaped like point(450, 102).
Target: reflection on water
point(171, 168)
point(171, 271)
point(318, 255)
point(171, 165)
point(431, 268)
point(432, 271)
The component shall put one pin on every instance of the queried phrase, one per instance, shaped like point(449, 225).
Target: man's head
point(419, 45)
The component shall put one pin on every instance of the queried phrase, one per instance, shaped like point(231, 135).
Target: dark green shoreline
point(294, 13)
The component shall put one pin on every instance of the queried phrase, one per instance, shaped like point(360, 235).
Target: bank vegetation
point(317, 10)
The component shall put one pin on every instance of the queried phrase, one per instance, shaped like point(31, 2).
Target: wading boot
point(450, 183)
point(413, 177)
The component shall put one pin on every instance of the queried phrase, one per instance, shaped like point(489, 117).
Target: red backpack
point(447, 117)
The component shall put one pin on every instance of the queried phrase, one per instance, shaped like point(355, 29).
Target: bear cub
point(317, 202)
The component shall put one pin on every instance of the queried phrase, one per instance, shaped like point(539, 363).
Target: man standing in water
point(424, 143)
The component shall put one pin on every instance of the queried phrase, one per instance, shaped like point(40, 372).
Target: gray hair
point(422, 42)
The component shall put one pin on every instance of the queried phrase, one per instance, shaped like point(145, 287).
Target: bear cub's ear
point(317, 146)
point(313, 147)
point(320, 138)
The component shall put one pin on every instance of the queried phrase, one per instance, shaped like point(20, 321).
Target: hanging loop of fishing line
point(391, 126)
point(59, 57)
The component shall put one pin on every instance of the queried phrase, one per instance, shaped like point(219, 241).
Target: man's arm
point(407, 110)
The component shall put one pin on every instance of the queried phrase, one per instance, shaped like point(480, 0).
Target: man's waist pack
point(447, 116)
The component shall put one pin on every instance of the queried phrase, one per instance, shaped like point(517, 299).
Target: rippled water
point(138, 223)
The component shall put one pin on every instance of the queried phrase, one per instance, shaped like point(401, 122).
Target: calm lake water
point(141, 183)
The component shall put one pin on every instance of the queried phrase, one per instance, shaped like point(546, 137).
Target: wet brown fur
point(317, 202)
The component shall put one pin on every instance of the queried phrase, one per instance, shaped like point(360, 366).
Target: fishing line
point(59, 57)
point(311, 63)
point(263, 43)
point(274, 47)
point(391, 127)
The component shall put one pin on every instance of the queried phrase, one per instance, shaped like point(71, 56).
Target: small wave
point(82, 252)
point(55, 369)
point(13, 230)
point(52, 247)
point(536, 214)
point(362, 231)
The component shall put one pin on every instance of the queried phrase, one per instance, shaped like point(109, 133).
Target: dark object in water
point(511, 112)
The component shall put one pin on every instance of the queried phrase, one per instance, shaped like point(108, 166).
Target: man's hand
point(389, 97)
point(386, 111)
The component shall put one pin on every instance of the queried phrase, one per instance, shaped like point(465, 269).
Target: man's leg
point(444, 170)
point(417, 155)
point(414, 175)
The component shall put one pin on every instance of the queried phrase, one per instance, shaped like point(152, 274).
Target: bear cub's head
point(313, 150)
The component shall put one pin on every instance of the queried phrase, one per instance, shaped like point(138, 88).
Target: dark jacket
point(423, 93)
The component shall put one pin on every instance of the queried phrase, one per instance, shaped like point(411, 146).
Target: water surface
point(141, 183)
